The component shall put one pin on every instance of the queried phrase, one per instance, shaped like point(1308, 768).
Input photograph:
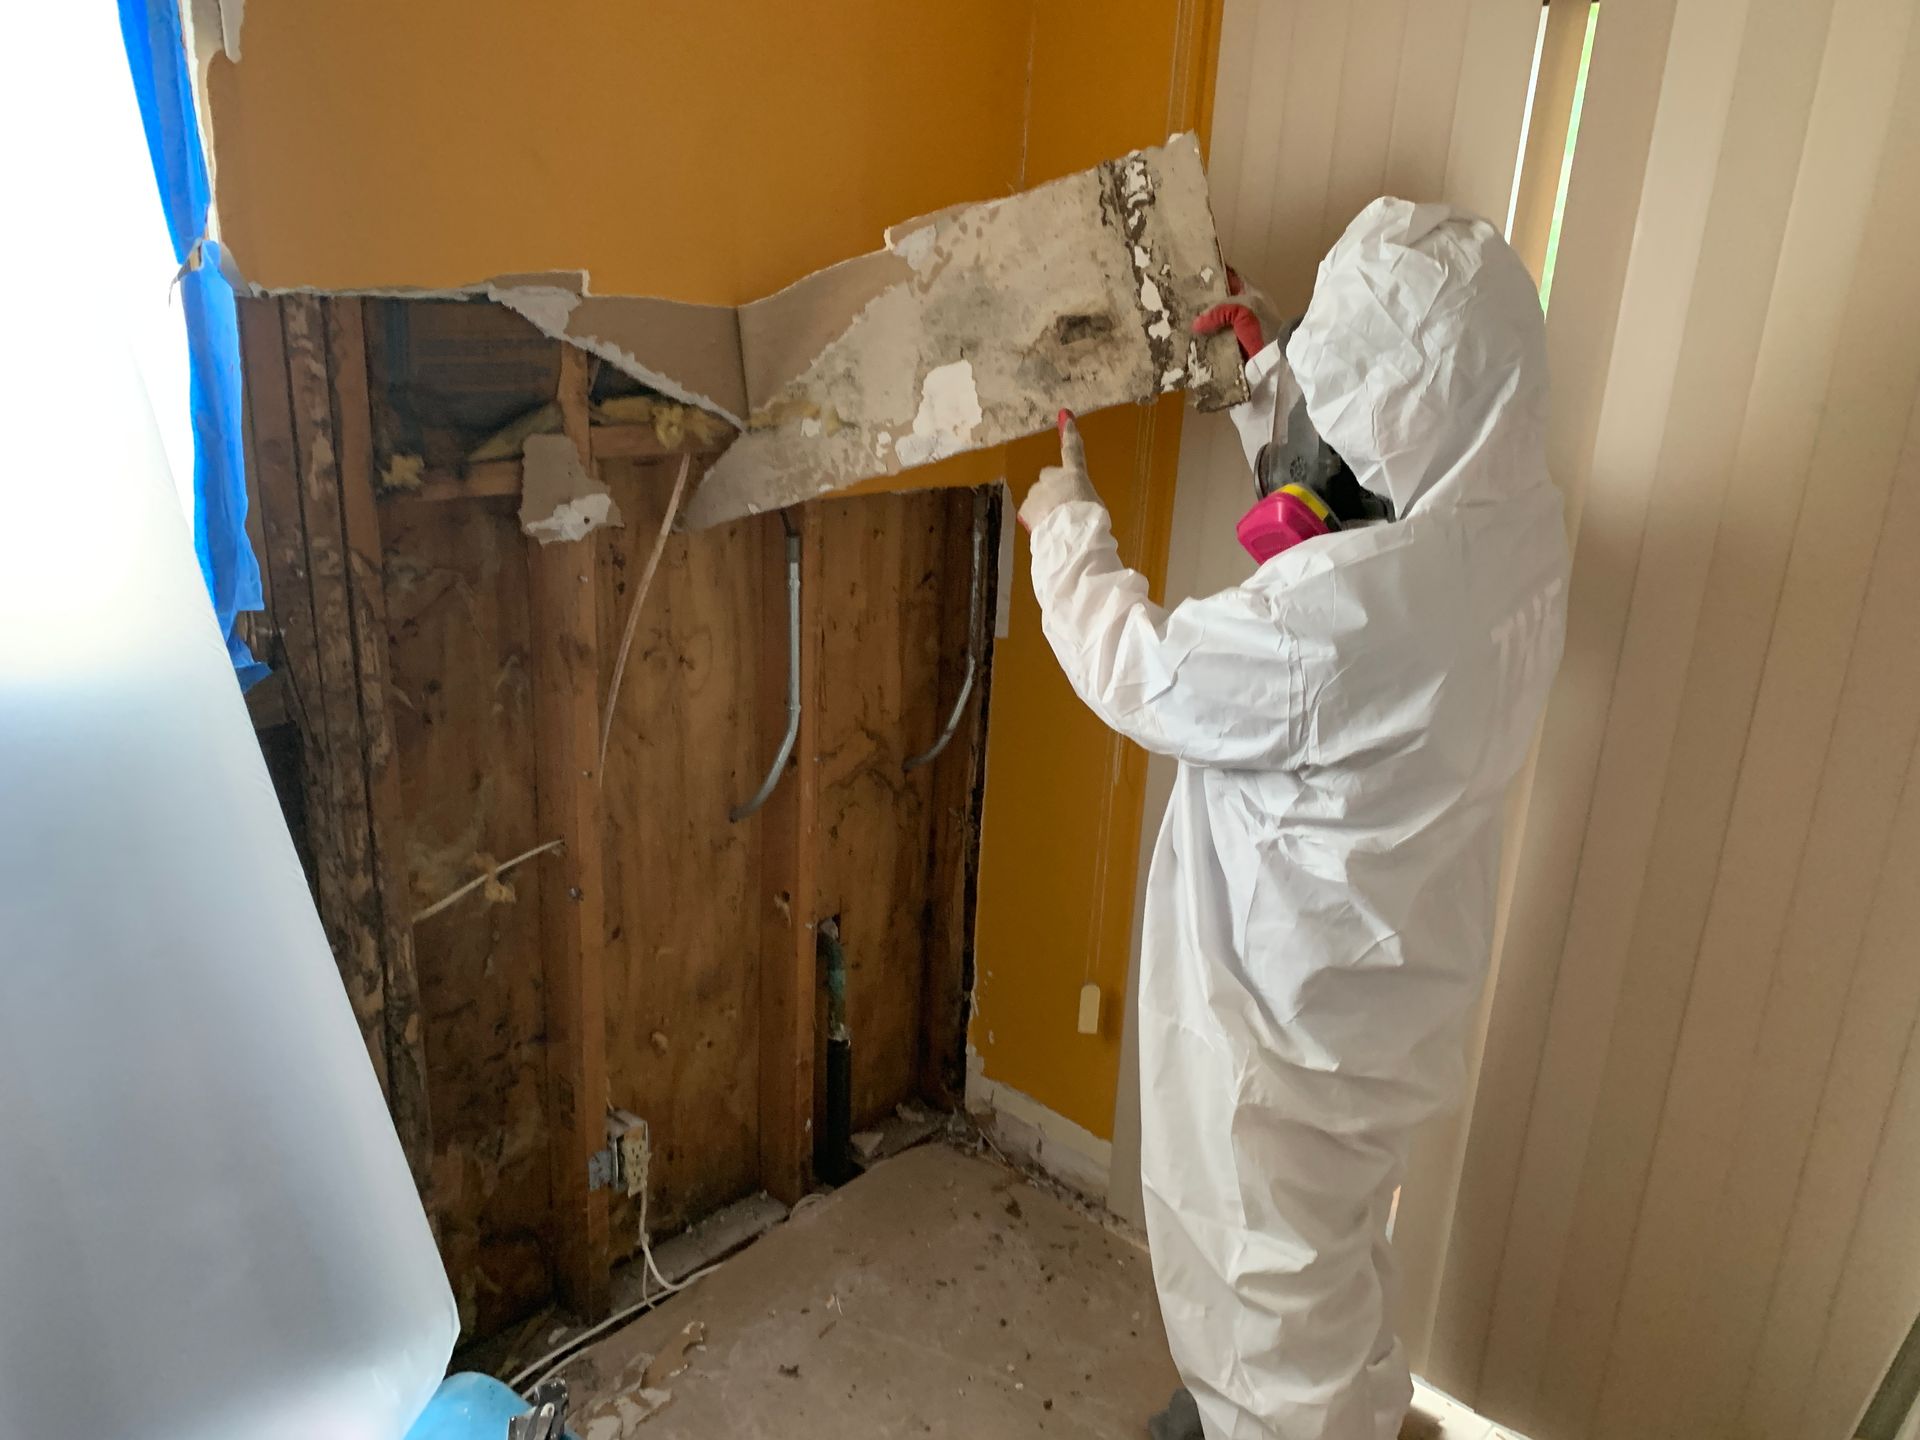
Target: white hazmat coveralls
point(1320, 906)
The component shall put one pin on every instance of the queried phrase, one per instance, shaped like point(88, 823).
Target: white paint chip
point(949, 412)
point(915, 247)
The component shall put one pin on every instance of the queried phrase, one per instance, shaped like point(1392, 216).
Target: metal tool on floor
point(547, 1420)
point(478, 1407)
point(544, 1422)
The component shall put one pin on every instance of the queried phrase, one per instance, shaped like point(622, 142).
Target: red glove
point(1246, 326)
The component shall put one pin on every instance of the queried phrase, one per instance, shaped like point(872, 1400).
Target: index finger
point(1073, 454)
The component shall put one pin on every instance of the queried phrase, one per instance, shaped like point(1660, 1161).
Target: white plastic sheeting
point(207, 1227)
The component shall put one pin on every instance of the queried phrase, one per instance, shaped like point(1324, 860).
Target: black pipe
point(833, 1145)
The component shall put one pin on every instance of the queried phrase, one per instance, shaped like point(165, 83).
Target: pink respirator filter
point(1281, 521)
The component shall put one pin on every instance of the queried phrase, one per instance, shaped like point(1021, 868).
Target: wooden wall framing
point(445, 675)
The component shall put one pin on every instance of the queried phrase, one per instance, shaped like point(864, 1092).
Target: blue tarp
point(157, 59)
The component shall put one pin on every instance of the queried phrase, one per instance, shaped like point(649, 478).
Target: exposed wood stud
point(683, 972)
point(404, 1031)
point(566, 683)
point(445, 673)
point(790, 843)
point(283, 555)
point(640, 442)
point(953, 856)
point(343, 858)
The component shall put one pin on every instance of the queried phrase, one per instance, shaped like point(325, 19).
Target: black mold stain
point(1070, 329)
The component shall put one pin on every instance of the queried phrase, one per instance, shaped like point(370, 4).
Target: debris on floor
point(522, 1350)
point(938, 1295)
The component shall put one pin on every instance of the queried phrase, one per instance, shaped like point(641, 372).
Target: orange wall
point(715, 153)
point(709, 152)
point(1060, 848)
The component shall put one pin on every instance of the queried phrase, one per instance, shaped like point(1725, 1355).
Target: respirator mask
point(1302, 488)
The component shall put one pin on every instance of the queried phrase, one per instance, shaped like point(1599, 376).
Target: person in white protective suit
point(1320, 905)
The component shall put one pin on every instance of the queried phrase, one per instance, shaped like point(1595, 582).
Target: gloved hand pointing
point(1060, 484)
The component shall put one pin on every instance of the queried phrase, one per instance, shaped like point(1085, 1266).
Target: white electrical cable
point(474, 884)
point(561, 1355)
point(558, 1358)
point(667, 1287)
point(633, 610)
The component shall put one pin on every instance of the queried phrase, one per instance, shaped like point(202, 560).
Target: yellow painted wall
point(715, 153)
point(1064, 796)
point(708, 152)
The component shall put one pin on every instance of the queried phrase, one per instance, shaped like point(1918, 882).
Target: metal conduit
point(741, 812)
point(973, 637)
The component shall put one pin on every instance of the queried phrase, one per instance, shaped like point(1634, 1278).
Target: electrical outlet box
point(635, 1146)
point(623, 1164)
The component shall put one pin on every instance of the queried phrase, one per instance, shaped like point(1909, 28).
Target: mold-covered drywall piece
point(974, 327)
point(559, 500)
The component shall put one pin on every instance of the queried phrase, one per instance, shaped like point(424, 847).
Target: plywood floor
point(939, 1295)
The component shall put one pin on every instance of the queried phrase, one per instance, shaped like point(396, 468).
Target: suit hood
point(1422, 358)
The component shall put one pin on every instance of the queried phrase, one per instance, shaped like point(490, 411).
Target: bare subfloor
point(939, 1295)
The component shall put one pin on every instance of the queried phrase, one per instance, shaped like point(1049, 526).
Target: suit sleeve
point(1214, 682)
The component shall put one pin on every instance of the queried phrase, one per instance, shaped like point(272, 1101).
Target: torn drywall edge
point(571, 281)
point(914, 386)
point(687, 352)
point(212, 28)
point(233, 14)
point(690, 353)
point(559, 499)
point(1028, 1131)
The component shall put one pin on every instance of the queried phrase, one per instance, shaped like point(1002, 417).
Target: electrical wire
point(556, 1359)
point(562, 1354)
point(633, 610)
point(667, 1287)
point(474, 884)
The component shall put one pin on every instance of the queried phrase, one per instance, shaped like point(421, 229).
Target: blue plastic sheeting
point(468, 1407)
point(157, 59)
